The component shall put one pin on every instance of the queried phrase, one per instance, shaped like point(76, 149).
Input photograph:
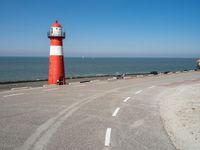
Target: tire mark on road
point(40, 138)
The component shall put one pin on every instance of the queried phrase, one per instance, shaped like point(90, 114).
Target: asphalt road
point(99, 115)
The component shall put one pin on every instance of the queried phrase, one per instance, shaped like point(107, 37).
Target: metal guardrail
point(49, 34)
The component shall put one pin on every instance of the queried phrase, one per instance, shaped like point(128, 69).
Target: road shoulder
point(180, 112)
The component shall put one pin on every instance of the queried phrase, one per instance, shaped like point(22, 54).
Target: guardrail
point(49, 34)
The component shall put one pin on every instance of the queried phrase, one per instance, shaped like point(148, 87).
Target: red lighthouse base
point(56, 70)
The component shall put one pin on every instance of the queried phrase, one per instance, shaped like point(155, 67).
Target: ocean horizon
point(17, 68)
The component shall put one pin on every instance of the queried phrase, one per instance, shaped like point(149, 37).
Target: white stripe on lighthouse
point(56, 50)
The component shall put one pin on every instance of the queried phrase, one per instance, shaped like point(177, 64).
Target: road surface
point(98, 115)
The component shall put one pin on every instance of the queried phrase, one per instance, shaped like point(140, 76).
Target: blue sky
point(102, 28)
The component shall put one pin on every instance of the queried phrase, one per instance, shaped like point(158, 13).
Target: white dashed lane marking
point(107, 137)
point(125, 100)
point(138, 92)
point(151, 87)
point(115, 112)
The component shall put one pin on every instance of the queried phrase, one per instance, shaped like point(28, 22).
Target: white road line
point(28, 88)
point(35, 88)
point(20, 88)
point(50, 89)
point(13, 95)
point(138, 92)
point(31, 88)
point(151, 87)
point(107, 137)
point(78, 85)
point(116, 111)
point(126, 99)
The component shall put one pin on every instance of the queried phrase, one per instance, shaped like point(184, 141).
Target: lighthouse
point(56, 60)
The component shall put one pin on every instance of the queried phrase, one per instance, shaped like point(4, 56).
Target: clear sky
point(102, 28)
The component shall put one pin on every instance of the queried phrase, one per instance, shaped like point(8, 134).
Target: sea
point(36, 68)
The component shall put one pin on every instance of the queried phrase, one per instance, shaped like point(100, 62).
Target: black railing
point(49, 34)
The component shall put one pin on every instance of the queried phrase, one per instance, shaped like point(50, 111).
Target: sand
point(180, 112)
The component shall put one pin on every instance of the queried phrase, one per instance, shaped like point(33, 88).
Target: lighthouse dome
point(56, 24)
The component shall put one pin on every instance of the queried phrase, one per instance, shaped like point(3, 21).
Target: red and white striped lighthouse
point(56, 59)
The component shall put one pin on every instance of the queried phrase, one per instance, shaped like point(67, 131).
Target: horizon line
point(104, 57)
